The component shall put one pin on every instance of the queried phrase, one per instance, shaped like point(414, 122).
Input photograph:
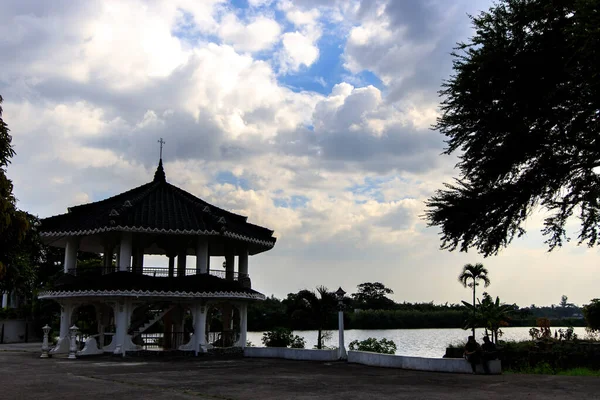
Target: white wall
point(14, 331)
point(457, 365)
point(291, 354)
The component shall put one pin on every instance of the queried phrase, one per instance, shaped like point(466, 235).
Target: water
point(412, 342)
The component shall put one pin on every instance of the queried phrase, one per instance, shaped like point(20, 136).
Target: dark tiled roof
point(156, 207)
point(129, 281)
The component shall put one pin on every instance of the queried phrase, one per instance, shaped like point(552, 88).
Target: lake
point(412, 342)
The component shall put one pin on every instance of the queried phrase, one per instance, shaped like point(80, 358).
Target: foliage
point(23, 258)
point(522, 108)
point(490, 314)
point(535, 333)
point(567, 334)
point(282, 337)
point(14, 224)
point(591, 312)
point(383, 346)
point(267, 314)
point(373, 296)
point(317, 307)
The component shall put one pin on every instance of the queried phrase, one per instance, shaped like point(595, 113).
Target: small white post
point(73, 349)
point(341, 349)
point(45, 345)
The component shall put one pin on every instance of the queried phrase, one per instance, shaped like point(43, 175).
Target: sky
point(311, 117)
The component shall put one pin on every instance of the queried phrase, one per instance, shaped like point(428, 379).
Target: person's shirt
point(488, 347)
point(471, 346)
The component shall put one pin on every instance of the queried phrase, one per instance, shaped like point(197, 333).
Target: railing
point(160, 341)
point(155, 272)
point(222, 339)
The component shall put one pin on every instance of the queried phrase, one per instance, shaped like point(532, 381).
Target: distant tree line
point(371, 308)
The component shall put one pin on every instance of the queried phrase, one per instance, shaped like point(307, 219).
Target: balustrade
point(159, 272)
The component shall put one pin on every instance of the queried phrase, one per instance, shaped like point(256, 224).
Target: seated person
point(472, 353)
point(489, 352)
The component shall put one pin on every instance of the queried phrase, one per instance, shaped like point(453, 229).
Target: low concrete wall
point(291, 354)
point(456, 365)
point(16, 331)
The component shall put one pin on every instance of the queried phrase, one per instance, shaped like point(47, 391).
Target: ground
point(25, 376)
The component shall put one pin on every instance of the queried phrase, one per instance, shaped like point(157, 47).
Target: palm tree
point(490, 314)
point(319, 305)
point(474, 273)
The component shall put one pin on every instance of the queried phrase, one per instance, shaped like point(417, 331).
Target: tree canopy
point(14, 224)
point(522, 111)
point(591, 313)
point(373, 296)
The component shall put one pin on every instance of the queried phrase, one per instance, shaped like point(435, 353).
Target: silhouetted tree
point(318, 306)
point(474, 273)
point(373, 296)
point(14, 224)
point(522, 109)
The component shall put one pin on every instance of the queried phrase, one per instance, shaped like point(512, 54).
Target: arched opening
point(93, 320)
point(223, 324)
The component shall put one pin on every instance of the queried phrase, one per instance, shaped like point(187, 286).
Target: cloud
point(340, 175)
point(259, 34)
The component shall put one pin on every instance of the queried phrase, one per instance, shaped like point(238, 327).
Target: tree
point(13, 223)
point(522, 109)
point(474, 273)
point(373, 296)
point(591, 312)
point(494, 315)
point(318, 306)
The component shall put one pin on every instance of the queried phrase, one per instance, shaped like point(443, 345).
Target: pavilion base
point(62, 346)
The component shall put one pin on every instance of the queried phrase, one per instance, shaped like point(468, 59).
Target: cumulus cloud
point(259, 34)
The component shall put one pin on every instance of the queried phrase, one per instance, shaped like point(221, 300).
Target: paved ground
point(24, 376)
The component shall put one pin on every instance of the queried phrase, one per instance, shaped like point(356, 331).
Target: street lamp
point(341, 349)
point(73, 348)
point(45, 345)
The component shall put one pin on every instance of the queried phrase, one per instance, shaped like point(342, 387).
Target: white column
point(243, 262)
point(202, 257)
point(123, 311)
point(125, 252)
point(243, 308)
point(200, 328)
point(341, 348)
point(71, 254)
point(66, 312)
point(4, 300)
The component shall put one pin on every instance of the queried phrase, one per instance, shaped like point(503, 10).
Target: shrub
point(282, 337)
point(383, 346)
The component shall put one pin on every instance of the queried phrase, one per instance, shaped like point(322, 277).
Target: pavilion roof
point(156, 207)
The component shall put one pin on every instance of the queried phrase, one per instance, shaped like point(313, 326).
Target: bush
point(282, 337)
point(383, 346)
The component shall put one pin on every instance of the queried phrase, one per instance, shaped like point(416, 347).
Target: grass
point(546, 369)
point(579, 372)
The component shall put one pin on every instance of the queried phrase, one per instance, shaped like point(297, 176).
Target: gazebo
point(155, 219)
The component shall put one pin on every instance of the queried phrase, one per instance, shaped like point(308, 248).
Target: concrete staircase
point(157, 314)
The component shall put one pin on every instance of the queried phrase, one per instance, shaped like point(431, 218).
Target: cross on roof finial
point(161, 141)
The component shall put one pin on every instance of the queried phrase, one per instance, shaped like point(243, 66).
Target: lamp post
point(341, 349)
point(73, 348)
point(45, 346)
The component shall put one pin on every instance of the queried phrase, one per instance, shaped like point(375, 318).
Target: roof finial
point(161, 141)
point(159, 175)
